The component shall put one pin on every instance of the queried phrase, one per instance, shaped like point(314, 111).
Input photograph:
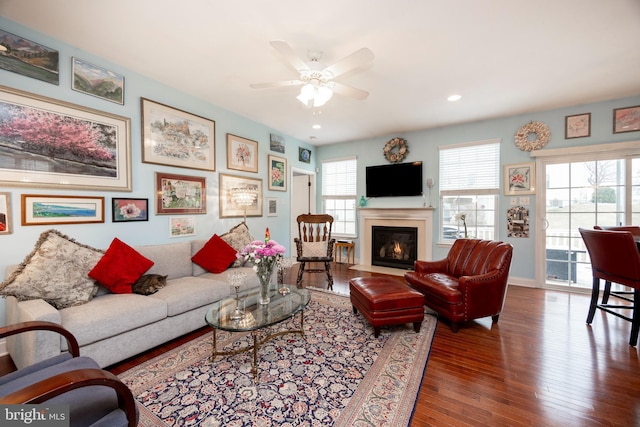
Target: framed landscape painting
point(29, 58)
point(242, 153)
point(180, 194)
point(277, 173)
point(97, 81)
point(174, 137)
point(181, 226)
point(40, 209)
point(52, 143)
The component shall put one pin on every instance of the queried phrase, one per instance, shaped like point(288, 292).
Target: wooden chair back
point(315, 227)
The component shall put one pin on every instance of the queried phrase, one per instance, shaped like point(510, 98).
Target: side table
point(350, 246)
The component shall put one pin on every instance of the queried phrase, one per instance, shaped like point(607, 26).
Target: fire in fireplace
point(394, 246)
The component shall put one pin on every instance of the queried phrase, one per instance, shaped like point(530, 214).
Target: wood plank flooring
point(540, 365)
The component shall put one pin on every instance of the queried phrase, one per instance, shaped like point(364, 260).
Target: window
point(469, 186)
point(339, 179)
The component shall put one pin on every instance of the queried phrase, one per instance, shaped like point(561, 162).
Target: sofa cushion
point(188, 293)
point(55, 271)
point(238, 237)
point(170, 259)
point(120, 267)
point(215, 256)
point(111, 315)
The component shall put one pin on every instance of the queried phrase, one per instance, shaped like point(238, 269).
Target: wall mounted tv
point(395, 180)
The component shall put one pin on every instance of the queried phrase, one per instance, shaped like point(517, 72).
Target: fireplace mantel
point(421, 218)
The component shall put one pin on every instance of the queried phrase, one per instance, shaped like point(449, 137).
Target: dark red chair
point(622, 294)
point(614, 258)
point(470, 283)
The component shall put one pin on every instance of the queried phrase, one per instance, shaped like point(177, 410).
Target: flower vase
point(265, 279)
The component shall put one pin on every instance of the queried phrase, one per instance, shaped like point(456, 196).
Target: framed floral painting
point(520, 178)
point(5, 213)
point(242, 154)
point(277, 173)
point(127, 210)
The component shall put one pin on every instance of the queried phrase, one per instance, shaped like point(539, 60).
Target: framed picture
point(97, 81)
point(276, 143)
point(230, 205)
point(40, 209)
point(181, 226)
point(304, 155)
point(277, 173)
point(5, 213)
point(128, 210)
point(518, 222)
point(242, 154)
point(272, 206)
point(29, 58)
point(174, 137)
point(180, 194)
point(520, 178)
point(37, 140)
point(577, 126)
point(626, 119)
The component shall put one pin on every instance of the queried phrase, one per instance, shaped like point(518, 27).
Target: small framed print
point(40, 209)
point(626, 119)
point(180, 194)
point(242, 154)
point(520, 178)
point(97, 81)
point(5, 213)
point(272, 206)
point(277, 173)
point(127, 210)
point(276, 143)
point(577, 126)
point(304, 155)
point(181, 226)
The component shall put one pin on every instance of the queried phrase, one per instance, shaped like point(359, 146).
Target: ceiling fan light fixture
point(314, 95)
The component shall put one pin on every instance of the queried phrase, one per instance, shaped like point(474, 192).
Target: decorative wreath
point(539, 129)
point(395, 150)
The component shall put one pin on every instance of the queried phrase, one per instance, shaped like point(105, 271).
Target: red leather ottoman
point(386, 300)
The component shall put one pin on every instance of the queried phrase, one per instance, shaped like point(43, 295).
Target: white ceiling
point(505, 57)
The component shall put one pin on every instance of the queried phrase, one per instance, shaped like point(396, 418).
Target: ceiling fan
point(317, 81)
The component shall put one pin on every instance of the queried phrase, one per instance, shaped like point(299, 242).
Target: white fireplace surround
point(421, 218)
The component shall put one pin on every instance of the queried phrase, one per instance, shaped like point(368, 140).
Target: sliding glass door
point(602, 188)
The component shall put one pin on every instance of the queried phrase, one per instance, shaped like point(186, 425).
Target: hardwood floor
point(540, 365)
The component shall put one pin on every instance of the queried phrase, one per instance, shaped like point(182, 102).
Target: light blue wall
point(14, 247)
point(423, 145)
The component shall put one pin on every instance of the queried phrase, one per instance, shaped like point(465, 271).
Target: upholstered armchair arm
point(67, 381)
point(425, 267)
point(18, 328)
point(483, 294)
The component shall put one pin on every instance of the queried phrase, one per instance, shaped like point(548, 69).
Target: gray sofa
point(113, 327)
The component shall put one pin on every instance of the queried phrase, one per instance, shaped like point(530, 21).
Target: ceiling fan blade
point(350, 91)
point(283, 83)
point(357, 59)
point(294, 61)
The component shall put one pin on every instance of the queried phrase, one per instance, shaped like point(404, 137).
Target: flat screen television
point(395, 180)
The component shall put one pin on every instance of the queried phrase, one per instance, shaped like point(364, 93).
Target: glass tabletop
point(281, 307)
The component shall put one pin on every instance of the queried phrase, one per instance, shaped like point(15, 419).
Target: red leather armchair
point(470, 283)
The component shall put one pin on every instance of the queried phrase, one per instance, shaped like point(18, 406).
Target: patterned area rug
point(337, 375)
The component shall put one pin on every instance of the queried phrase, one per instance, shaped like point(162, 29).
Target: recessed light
point(454, 98)
point(316, 126)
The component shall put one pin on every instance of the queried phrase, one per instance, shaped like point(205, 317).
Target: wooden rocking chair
point(314, 244)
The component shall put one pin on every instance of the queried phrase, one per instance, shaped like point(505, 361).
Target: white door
point(303, 199)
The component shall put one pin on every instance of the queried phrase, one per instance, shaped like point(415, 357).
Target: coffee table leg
point(254, 368)
point(213, 354)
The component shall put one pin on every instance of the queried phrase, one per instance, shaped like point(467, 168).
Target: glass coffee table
point(257, 319)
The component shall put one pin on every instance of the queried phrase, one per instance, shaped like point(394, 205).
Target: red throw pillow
point(215, 256)
point(120, 267)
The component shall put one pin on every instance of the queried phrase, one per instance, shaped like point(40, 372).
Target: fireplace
point(395, 247)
